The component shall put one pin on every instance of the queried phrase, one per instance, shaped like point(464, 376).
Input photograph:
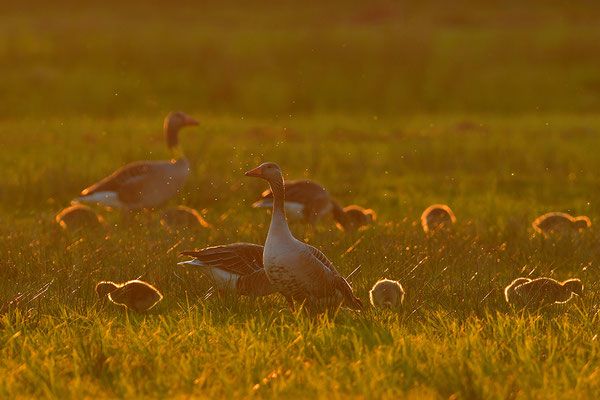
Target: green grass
point(485, 109)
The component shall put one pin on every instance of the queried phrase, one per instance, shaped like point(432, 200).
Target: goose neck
point(278, 220)
point(176, 152)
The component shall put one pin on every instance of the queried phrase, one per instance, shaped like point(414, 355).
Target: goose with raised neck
point(297, 270)
point(145, 184)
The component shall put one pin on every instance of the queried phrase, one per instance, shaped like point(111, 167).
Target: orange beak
point(190, 121)
point(255, 172)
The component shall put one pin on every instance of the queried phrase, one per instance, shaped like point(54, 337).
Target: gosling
point(77, 217)
point(182, 217)
point(436, 217)
point(557, 222)
point(386, 293)
point(354, 217)
point(544, 291)
point(510, 294)
point(136, 295)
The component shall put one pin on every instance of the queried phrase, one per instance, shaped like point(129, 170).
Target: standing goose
point(306, 200)
point(236, 268)
point(558, 222)
point(437, 216)
point(137, 295)
point(297, 270)
point(145, 184)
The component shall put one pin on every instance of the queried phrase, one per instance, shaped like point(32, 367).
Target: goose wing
point(256, 284)
point(235, 258)
point(303, 191)
point(125, 175)
point(326, 279)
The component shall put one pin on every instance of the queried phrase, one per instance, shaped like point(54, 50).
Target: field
point(391, 106)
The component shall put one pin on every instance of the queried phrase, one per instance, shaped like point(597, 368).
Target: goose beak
point(190, 121)
point(255, 172)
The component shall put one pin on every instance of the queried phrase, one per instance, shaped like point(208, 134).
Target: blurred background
point(267, 58)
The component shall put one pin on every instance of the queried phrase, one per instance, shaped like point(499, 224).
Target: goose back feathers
point(236, 267)
point(305, 200)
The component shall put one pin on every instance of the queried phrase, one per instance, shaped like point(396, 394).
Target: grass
point(495, 121)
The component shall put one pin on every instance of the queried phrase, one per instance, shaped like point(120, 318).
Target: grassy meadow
point(392, 106)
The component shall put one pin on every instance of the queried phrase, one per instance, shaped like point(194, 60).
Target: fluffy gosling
point(77, 217)
point(386, 293)
point(436, 217)
point(136, 295)
point(354, 217)
point(509, 292)
point(182, 217)
point(543, 291)
point(558, 222)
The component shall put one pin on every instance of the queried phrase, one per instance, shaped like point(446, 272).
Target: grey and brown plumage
point(309, 201)
point(136, 295)
point(237, 268)
point(297, 270)
point(558, 222)
point(182, 217)
point(145, 184)
point(79, 216)
point(542, 291)
point(386, 293)
point(305, 201)
point(437, 216)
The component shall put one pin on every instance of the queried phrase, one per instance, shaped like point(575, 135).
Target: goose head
point(574, 286)
point(173, 123)
point(104, 288)
point(268, 171)
point(581, 223)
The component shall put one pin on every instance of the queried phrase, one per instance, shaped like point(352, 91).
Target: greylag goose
point(182, 217)
point(544, 291)
point(137, 295)
point(386, 293)
point(236, 268)
point(79, 216)
point(436, 217)
point(306, 200)
point(297, 270)
point(145, 184)
point(557, 222)
point(510, 293)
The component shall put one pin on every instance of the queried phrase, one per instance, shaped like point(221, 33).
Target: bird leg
point(290, 302)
